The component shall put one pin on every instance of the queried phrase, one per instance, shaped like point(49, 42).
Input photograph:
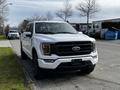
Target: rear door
point(24, 38)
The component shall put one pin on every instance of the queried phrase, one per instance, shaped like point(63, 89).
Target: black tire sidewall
point(37, 71)
point(23, 55)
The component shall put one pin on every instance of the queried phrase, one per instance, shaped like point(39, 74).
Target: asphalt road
point(105, 77)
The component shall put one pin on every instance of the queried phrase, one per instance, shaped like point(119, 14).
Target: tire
point(23, 55)
point(8, 38)
point(87, 70)
point(38, 72)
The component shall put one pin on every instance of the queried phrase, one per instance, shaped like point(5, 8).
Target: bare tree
point(46, 17)
point(6, 30)
point(24, 23)
point(37, 18)
point(2, 5)
point(87, 8)
point(66, 12)
point(3, 8)
point(3, 12)
point(1, 20)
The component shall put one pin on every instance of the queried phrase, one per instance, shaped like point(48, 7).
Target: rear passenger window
point(27, 28)
point(31, 28)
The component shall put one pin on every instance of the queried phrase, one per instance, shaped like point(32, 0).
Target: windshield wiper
point(64, 32)
point(47, 33)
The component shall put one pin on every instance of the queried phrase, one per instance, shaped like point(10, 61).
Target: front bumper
point(64, 67)
point(67, 60)
point(13, 36)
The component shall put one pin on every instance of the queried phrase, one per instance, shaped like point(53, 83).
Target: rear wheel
point(38, 72)
point(23, 55)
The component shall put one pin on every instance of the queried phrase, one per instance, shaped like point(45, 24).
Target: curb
point(28, 81)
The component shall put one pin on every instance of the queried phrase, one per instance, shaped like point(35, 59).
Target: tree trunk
point(87, 24)
point(65, 19)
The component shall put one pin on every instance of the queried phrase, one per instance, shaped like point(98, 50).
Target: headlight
point(46, 49)
point(93, 47)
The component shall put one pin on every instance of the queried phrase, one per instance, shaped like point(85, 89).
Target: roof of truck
point(49, 21)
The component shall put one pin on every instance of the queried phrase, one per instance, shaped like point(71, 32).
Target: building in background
point(102, 26)
point(82, 27)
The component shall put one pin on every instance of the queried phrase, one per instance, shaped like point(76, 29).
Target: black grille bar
point(65, 48)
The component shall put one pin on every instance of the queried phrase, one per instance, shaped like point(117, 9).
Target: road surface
point(105, 77)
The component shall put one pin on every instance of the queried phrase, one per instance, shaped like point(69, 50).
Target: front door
point(29, 39)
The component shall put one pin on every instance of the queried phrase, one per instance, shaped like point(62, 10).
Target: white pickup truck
point(57, 46)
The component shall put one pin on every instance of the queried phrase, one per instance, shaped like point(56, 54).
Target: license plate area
point(76, 61)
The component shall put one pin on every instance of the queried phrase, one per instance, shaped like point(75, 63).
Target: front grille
point(66, 48)
point(70, 66)
point(14, 35)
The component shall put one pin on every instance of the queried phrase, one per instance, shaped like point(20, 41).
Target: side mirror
point(28, 34)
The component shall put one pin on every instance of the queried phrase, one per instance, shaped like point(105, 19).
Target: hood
point(63, 37)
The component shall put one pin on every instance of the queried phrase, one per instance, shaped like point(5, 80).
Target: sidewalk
point(5, 43)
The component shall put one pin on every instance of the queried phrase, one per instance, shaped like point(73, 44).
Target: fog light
point(50, 60)
point(94, 56)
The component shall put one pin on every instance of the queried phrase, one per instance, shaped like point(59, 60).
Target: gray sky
point(22, 9)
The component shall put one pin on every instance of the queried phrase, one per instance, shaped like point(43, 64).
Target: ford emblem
point(76, 48)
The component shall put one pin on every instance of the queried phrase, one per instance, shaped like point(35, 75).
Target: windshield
point(54, 28)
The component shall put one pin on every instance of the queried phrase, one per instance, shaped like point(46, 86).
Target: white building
point(102, 26)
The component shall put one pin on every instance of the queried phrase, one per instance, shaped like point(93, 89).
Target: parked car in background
point(13, 34)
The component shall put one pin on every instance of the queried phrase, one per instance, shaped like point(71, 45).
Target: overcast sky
point(22, 9)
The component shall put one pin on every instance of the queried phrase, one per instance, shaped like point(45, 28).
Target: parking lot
point(105, 77)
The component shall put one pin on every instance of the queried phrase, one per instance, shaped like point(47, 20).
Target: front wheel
point(38, 73)
point(23, 55)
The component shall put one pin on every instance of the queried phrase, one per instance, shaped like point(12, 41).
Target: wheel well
point(21, 43)
point(33, 52)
